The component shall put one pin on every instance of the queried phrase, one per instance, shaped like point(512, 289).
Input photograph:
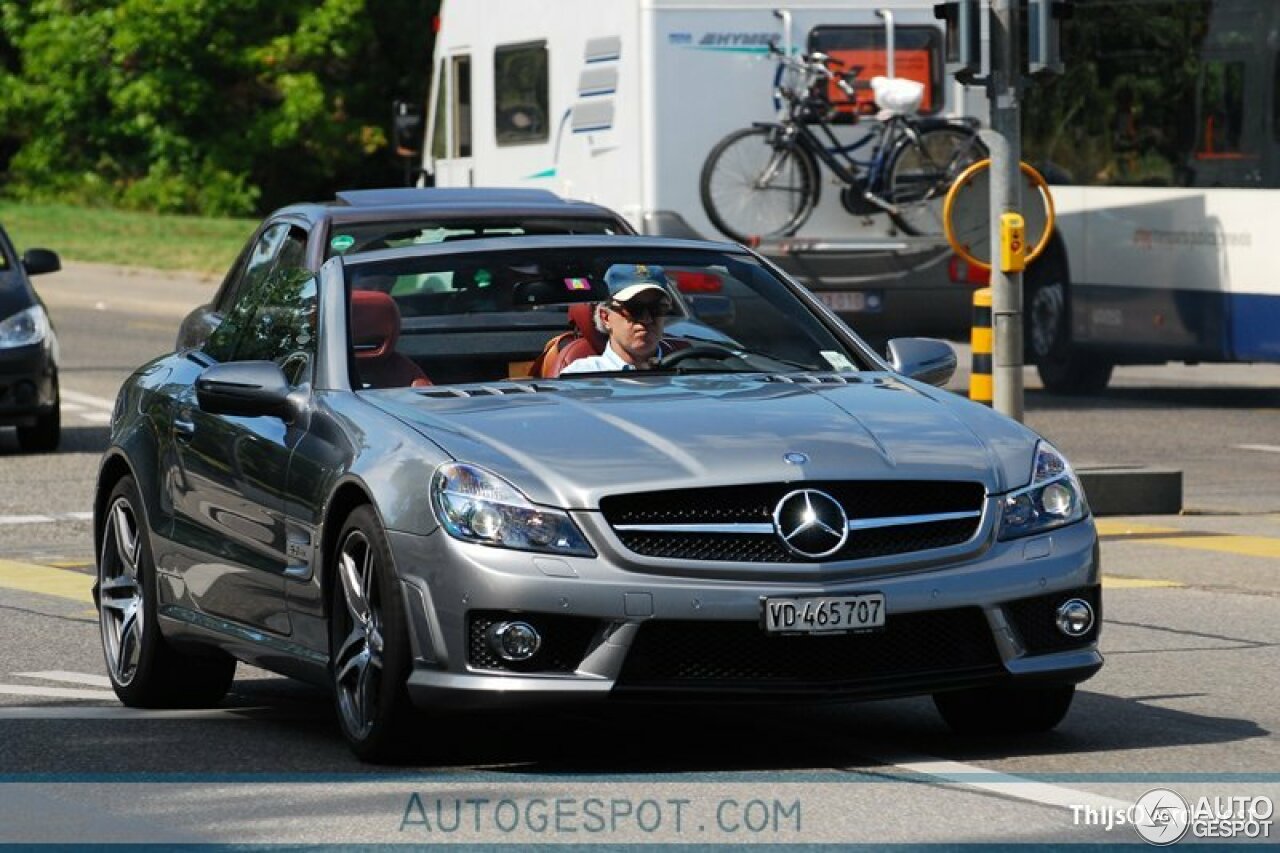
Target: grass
point(100, 236)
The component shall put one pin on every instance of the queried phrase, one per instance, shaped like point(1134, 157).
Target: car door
point(228, 472)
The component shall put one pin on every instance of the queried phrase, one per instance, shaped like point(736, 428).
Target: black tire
point(922, 169)
point(145, 670)
point(369, 642)
point(46, 434)
point(1005, 710)
point(736, 203)
point(1046, 310)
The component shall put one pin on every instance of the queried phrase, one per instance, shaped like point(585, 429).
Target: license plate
point(823, 615)
point(846, 301)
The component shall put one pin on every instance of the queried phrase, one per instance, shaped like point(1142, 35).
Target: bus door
point(450, 145)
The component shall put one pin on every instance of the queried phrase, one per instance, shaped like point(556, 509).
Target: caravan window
point(520, 93)
point(917, 56)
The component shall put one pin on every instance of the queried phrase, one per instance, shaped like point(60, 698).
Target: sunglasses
point(643, 313)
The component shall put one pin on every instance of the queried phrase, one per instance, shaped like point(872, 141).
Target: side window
point(255, 263)
point(293, 251)
point(275, 320)
point(439, 147)
point(520, 92)
point(461, 106)
point(917, 55)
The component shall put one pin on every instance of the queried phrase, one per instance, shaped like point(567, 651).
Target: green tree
point(208, 106)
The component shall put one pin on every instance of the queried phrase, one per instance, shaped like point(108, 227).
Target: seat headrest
point(375, 323)
point(582, 318)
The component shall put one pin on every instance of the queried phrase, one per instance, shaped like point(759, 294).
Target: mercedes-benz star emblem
point(811, 523)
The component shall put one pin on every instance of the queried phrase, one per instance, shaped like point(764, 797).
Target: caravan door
point(451, 132)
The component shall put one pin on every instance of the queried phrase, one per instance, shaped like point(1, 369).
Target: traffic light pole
point(1005, 142)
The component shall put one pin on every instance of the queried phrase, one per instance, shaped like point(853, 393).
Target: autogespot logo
point(1161, 816)
point(811, 523)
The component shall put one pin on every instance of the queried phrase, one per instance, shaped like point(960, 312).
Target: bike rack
point(889, 51)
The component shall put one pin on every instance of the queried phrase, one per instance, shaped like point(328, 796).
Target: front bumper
point(28, 384)
point(618, 630)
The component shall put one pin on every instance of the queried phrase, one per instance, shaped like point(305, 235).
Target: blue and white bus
point(1162, 141)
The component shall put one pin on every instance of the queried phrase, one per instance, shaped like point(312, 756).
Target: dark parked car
point(307, 235)
point(28, 350)
point(356, 482)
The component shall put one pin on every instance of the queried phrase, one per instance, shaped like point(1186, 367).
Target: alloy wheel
point(121, 611)
point(358, 664)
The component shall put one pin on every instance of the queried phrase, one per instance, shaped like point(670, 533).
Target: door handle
point(183, 429)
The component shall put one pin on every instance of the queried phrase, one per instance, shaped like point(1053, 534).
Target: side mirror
point(927, 360)
point(40, 261)
point(247, 388)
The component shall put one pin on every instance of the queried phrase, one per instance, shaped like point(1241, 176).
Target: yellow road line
point(1175, 537)
point(1249, 546)
point(1112, 582)
point(76, 586)
point(1108, 527)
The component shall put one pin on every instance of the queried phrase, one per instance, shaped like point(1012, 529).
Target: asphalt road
point(1187, 700)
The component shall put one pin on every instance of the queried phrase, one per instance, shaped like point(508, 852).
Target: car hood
point(570, 442)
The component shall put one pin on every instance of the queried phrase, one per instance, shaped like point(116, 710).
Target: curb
point(1132, 490)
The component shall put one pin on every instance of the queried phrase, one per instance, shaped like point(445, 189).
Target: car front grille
point(1035, 620)
point(656, 524)
point(919, 647)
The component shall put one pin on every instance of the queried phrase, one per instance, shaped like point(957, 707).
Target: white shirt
point(608, 360)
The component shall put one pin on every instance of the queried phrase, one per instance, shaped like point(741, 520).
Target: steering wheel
point(714, 352)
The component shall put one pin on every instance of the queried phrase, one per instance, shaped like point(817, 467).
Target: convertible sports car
point(374, 477)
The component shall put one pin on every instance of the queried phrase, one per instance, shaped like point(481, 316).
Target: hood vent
point(815, 379)
point(452, 392)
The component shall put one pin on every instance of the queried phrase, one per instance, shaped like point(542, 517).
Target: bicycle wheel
point(921, 172)
point(752, 188)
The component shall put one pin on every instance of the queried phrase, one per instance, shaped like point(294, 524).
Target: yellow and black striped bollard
point(981, 339)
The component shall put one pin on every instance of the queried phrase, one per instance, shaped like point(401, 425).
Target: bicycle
point(763, 181)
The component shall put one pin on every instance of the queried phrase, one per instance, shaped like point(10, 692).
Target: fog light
point(514, 641)
point(1075, 617)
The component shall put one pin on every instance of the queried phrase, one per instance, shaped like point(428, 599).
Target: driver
point(632, 320)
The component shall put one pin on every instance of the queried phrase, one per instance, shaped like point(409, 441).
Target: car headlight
point(475, 505)
point(28, 326)
point(1055, 497)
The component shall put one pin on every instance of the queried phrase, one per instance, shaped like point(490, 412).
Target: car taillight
point(698, 282)
point(963, 272)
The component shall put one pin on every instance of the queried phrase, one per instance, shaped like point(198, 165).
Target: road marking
point(95, 417)
point(1174, 537)
point(1110, 582)
point(119, 712)
point(994, 782)
point(1108, 528)
point(88, 399)
point(76, 586)
point(46, 519)
point(68, 677)
point(55, 692)
point(1265, 448)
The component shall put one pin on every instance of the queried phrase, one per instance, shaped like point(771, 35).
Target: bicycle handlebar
point(813, 66)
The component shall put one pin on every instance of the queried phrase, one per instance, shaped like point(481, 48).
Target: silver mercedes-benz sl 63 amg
point(388, 477)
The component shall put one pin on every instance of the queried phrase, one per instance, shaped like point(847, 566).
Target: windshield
point(479, 317)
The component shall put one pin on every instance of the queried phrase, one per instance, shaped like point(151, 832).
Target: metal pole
point(890, 49)
point(1006, 197)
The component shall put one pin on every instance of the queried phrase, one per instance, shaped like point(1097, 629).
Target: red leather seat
point(583, 340)
point(375, 329)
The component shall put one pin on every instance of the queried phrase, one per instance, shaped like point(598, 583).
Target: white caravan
point(618, 102)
